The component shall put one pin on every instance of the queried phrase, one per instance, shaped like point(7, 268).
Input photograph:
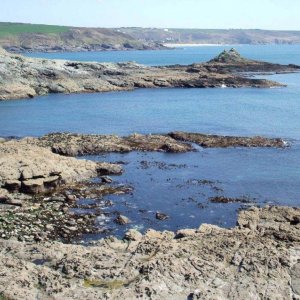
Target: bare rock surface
point(32, 169)
point(71, 144)
point(88, 144)
point(255, 260)
point(22, 77)
point(231, 60)
point(219, 141)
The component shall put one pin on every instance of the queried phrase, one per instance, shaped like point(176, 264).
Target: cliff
point(16, 37)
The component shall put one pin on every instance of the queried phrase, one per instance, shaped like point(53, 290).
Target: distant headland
point(20, 37)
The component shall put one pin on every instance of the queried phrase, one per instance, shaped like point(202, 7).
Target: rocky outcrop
point(91, 144)
point(232, 61)
point(218, 141)
point(71, 144)
point(258, 257)
point(231, 56)
point(31, 169)
point(22, 77)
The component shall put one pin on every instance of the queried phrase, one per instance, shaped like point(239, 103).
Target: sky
point(262, 14)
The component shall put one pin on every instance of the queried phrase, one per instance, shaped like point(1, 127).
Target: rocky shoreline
point(40, 185)
point(22, 77)
point(37, 177)
point(50, 199)
point(39, 165)
point(259, 258)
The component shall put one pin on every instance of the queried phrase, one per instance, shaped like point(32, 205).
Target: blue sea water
point(284, 54)
point(172, 182)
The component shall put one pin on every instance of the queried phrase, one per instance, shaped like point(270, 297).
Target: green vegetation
point(2, 297)
point(8, 29)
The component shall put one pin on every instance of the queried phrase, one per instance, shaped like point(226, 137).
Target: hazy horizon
point(189, 14)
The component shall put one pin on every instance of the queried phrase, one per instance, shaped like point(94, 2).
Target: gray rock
point(215, 263)
point(25, 77)
point(122, 220)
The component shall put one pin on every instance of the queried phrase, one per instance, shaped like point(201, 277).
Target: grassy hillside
point(7, 29)
point(214, 36)
point(17, 37)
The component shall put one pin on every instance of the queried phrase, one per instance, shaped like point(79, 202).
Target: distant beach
point(193, 45)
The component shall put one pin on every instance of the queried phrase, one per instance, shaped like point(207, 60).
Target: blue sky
point(264, 14)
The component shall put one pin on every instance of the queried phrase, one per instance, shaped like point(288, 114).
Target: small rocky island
point(22, 77)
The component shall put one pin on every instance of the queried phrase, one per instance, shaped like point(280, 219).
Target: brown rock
point(217, 141)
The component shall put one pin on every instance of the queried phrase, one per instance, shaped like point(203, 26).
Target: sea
point(180, 185)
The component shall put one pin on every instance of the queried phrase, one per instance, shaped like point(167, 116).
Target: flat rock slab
point(70, 144)
point(32, 169)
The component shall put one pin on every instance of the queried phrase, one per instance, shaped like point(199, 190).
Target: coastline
point(209, 261)
point(62, 76)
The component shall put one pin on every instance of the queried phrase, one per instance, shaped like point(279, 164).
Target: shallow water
point(180, 185)
point(173, 183)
